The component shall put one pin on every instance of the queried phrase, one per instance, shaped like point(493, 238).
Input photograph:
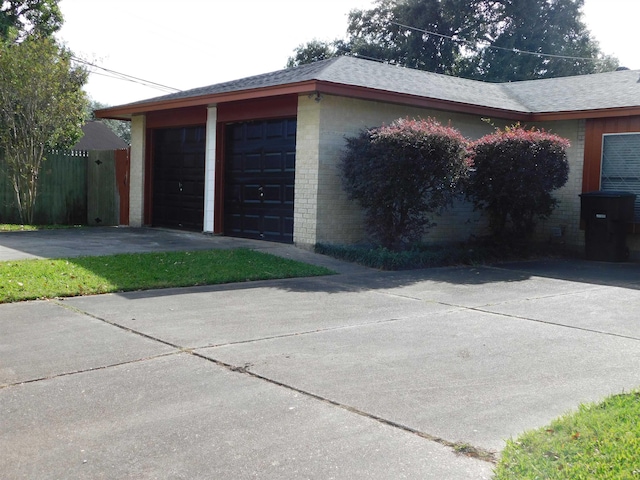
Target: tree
point(515, 172)
point(383, 32)
point(19, 18)
point(542, 26)
point(480, 39)
point(311, 52)
point(42, 106)
point(401, 173)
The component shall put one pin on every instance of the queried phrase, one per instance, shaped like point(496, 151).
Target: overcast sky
point(192, 43)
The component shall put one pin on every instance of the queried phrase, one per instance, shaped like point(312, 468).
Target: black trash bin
point(607, 215)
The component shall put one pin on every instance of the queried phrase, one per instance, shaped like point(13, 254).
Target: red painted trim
point(125, 111)
point(123, 167)
point(148, 177)
point(182, 117)
point(586, 114)
point(594, 130)
point(258, 109)
point(415, 101)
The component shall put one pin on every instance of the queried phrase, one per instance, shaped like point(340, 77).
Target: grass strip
point(67, 277)
point(599, 441)
point(15, 227)
point(12, 227)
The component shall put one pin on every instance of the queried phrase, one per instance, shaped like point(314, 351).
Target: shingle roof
point(567, 94)
point(97, 136)
point(582, 92)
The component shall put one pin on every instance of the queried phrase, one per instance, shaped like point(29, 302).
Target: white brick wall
point(210, 169)
point(324, 214)
point(306, 181)
point(339, 221)
point(136, 172)
point(565, 219)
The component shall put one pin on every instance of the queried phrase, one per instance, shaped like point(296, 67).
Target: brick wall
point(563, 226)
point(136, 171)
point(324, 214)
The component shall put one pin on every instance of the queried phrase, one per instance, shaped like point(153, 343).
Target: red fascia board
point(585, 114)
point(365, 93)
point(125, 111)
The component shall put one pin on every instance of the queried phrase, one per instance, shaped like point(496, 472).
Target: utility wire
point(123, 76)
point(493, 47)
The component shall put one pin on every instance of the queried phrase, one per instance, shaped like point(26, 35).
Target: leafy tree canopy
point(480, 39)
point(311, 52)
point(541, 26)
point(42, 106)
point(19, 18)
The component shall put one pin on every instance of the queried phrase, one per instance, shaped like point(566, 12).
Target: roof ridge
point(573, 93)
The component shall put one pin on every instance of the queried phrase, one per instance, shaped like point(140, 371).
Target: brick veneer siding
point(324, 214)
point(136, 171)
point(563, 226)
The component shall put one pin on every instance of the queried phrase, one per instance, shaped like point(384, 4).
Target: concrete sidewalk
point(363, 375)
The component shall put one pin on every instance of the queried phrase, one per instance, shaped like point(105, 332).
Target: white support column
point(210, 169)
point(137, 170)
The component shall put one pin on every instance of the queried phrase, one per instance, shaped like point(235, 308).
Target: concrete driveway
point(361, 375)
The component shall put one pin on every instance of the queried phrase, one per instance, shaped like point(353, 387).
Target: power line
point(493, 47)
point(129, 78)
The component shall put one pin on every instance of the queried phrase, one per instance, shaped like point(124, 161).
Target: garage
point(259, 179)
point(178, 177)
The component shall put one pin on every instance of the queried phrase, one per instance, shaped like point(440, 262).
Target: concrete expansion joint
point(554, 324)
point(113, 324)
point(295, 334)
point(87, 370)
point(459, 448)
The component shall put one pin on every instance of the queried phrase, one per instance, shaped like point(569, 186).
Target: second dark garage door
point(259, 179)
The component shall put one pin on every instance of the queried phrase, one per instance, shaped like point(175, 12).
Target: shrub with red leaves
point(402, 172)
point(515, 172)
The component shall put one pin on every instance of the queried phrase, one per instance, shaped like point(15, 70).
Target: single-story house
point(258, 157)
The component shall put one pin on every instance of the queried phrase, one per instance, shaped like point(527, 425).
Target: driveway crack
point(459, 448)
point(86, 370)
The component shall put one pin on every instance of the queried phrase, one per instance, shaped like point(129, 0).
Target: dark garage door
point(259, 180)
point(178, 177)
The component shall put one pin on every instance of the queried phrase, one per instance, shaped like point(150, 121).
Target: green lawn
point(12, 227)
point(66, 277)
point(599, 442)
point(15, 227)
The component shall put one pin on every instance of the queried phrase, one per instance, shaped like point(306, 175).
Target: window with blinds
point(621, 165)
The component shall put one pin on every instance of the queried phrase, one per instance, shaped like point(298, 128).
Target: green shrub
point(515, 172)
point(402, 172)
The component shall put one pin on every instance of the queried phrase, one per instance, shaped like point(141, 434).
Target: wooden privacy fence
point(75, 188)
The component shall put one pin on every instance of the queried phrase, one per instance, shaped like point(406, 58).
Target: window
point(621, 165)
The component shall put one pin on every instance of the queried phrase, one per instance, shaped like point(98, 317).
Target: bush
point(515, 172)
point(401, 173)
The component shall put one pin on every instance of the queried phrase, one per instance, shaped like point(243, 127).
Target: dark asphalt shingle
point(586, 92)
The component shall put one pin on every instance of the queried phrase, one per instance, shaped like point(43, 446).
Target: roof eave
point(585, 114)
point(365, 93)
point(125, 112)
